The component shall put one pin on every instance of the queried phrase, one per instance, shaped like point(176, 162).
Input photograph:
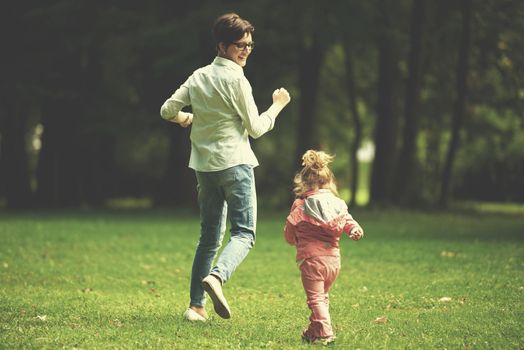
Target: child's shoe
point(330, 340)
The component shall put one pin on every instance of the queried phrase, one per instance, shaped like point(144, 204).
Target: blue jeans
point(231, 190)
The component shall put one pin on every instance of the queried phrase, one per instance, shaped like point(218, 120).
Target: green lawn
point(120, 280)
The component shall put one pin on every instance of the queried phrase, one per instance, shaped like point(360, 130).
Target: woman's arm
point(171, 110)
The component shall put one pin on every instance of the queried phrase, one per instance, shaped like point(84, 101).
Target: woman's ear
point(221, 48)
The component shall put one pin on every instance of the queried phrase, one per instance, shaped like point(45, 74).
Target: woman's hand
point(184, 119)
point(281, 97)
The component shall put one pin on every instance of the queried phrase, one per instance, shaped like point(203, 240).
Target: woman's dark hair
point(231, 27)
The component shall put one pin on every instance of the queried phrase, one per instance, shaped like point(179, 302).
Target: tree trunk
point(404, 186)
point(46, 173)
point(98, 169)
point(178, 187)
point(60, 161)
point(460, 102)
point(350, 80)
point(387, 120)
point(14, 169)
point(13, 156)
point(310, 62)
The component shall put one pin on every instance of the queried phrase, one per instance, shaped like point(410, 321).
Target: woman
point(224, 116)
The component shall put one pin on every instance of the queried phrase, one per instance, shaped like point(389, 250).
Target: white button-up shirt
point(224, 114)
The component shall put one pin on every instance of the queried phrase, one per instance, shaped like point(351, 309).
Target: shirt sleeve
point(350, 224)
point(244, 104)
point(176, 102)
point(291, 222)
point(289, 233)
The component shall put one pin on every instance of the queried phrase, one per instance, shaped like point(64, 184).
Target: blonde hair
point(315, 173)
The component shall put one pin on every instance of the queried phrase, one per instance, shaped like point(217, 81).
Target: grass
point(119, 280)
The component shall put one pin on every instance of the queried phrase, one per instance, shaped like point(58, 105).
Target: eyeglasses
point(243, 46)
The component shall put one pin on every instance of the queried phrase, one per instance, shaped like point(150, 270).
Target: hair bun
point(316, 159)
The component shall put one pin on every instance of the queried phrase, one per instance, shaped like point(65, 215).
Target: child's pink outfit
point(314, 226)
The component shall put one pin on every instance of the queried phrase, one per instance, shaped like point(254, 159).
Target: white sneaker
point(192, 315)
point(213, 287)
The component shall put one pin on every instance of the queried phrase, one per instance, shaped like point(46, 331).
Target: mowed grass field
point(119, 280)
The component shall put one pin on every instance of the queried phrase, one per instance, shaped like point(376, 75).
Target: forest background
point(421, 101)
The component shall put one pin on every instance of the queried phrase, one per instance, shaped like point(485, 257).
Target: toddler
point(317, 219)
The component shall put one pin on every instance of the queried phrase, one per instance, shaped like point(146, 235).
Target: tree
point(354, 19)
point(460, 102)
point(386, 125)
point(404, 188)
point(63, 56)
point(311, 55)
point(16, 75)
point(13, 156)
point(489, 163)
point(59, 163)
point(168, 59)
point(357, 122)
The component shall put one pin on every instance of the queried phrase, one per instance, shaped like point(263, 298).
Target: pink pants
point(318, 274)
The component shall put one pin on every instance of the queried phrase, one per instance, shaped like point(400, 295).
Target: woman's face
point(237, 51)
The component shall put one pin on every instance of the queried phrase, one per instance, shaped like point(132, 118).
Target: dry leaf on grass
point(448, 254)
point(41, 317)
point(445, 300)
point(381, 320)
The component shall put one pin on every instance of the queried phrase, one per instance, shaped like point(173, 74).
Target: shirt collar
point(317, 191)
point(221, 61)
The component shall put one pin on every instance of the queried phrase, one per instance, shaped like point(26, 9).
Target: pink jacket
point(316, 223)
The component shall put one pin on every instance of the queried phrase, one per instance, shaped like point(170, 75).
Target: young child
point(316, 221)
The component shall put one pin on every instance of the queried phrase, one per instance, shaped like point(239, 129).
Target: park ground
point(119, 280)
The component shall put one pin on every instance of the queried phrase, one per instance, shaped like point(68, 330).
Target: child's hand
point(356, 233)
